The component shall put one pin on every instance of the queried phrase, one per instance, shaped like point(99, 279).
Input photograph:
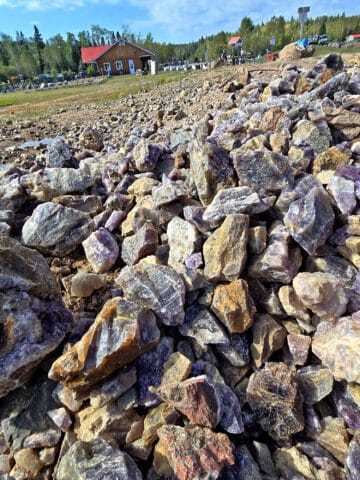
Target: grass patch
point(35, 102)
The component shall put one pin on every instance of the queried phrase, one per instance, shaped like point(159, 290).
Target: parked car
point(318, 40)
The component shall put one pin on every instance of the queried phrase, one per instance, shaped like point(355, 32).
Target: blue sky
point(175, 21)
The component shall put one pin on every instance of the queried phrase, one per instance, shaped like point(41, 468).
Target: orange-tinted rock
point(268, 336)
point(234, 306)
point(197, 398)
point(225, 250)
point(121, 332)
point(192, 452)
point(162, 414)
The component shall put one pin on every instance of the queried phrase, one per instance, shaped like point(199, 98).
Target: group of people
point(224, 56)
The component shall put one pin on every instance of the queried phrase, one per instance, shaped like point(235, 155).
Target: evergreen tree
point(39, 45)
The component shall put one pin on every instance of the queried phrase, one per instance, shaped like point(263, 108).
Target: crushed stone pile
point(180, 288)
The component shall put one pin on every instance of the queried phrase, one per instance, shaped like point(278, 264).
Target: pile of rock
point(187, 306)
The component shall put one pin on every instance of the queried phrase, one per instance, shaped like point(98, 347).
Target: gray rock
point(58, 154)
point(33, 320)
point(310, 220)
point(56, 230)
point(264, 171)
point(279, 262)
point(211, 168)
point(49, 183)
point(96, 459)
point(236, 200)
point(144, 242)
point(273, 397)
point(157, 287)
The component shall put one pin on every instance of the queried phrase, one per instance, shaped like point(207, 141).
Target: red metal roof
point(89, 54)
point(234, 40)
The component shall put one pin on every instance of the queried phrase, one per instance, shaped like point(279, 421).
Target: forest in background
point(34, 55)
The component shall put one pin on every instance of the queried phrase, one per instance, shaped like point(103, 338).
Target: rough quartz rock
point(234, 306)
point(96, 459)
point(56, 230)
point(101, 250)
point(268, 336)
point(197, 398)
point(183, 240)
point(352, 461)
point(310, 220)
point(225, 251)
point(322, 293)
point(280, 261)
point(157, 287)
point(150, 369)
point(58, 154)
point(262, 170)
point(272, 395)
point(191, 452)
point(109, 421)
point(315, 383)
point(83, 284)
point(334, 437)
point(146, 155)
point(121, 332)
point(343, 192)
point(33, 320)
point(309, 133)
point(236, 200)
point(336, 344)
point(211, 168)
point(144, 242)
point(202, 325)
point(49, 183)
point(113, 387)
point(91, 139)
point(162, 414)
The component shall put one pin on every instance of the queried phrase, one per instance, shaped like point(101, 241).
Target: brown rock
point(268, 336)
point(109, 422)
point(91, 139)
point(225, 250)
point(28, 460)
point(197, 398)
point(176, 369)
point(334, 437)
point(211, 168)
point(163, 414)
point(191, 452)
point(234, 306)
point(291, 464)
point(129, 331)
point(332, 158)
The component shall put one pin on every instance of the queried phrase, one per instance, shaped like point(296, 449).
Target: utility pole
point(302, 11)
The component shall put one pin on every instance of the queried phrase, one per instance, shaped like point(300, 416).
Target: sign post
point(302, 11)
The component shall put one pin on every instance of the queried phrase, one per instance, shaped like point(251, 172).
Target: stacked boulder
point(209, 325)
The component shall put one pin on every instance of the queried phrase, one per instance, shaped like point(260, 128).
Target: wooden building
point(120, 58)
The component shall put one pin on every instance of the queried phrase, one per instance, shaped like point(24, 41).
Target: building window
point(119, 65)
point(106, 67)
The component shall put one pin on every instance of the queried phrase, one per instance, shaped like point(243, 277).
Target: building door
point(131, 66)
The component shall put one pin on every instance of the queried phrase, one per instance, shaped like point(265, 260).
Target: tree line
point(34, 55)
